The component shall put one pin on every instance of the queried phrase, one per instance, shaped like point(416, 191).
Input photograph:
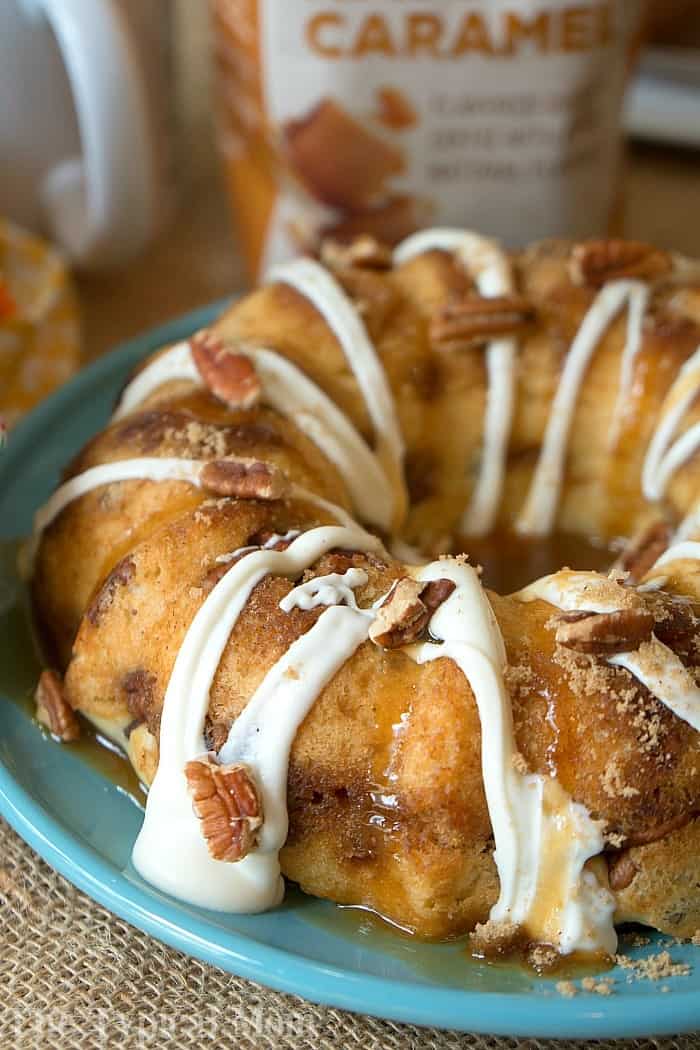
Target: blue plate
point(84, 824)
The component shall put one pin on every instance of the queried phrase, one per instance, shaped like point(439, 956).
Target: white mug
point(83, 109)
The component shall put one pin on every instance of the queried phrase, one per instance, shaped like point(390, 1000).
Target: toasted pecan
point(52, 708)
point(226, 800)
point(643, 551)
point(677, 623)
point(364, 252)
point(602, 633)
point(621, 870)
point(595, 262)
point(473, 319)
point(244, 478)
point(406, 611)
point(229, 375)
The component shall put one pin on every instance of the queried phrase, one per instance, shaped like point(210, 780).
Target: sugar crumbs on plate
point(653, 968)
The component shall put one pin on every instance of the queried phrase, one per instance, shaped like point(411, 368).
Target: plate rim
point(494, 1013)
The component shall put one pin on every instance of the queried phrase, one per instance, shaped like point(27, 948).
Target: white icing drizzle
point(170, 851)
point(638, 301)
point(321, 289)
point(664, 456)
point(543, 839)
point(291, 393)
point(689, 527)
point(572, 592)
point(173, 364)
point(148, 468)
point(333, 589)
point(654, 665)
point(689, 549)
point(224, 559)
point(663, 673)
point(486, 262)
point(539, 512)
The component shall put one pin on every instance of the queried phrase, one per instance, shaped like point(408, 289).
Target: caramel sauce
point(443, 962)
point(510, 561)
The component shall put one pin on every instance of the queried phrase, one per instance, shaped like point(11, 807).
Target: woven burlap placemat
point(73, 976)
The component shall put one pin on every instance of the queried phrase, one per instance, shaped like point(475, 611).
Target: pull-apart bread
point(248, 581)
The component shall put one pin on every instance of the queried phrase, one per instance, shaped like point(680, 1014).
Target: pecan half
point(244, 478)
point(676, 620)
point(595, 262)
point(52, 708)
point(473, 319)
point(230, 376)
point(642, 552)
point(405, 613)
point(621, 870)
point(364, 252)
point(226, 800)
point(602, 633)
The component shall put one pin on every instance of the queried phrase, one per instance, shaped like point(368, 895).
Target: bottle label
point(346, 116)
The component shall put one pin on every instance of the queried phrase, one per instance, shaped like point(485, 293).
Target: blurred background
point(192, 255)
point(196, 259)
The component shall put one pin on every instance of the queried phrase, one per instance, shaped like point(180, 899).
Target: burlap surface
point(73, 976)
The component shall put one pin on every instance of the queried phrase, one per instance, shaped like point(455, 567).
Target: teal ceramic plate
point(84, 824)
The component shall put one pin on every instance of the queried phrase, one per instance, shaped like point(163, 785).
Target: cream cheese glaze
point(321, 289)
point(653, 664)
point(148, 468)
point(539, 512)
point(543, 839)
point(291, 393)
point(664, 455)
point(170, 851)
point(486, 262)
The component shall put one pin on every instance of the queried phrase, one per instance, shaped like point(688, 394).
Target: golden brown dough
point(386, 799)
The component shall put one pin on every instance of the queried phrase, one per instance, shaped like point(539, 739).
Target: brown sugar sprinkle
point(613, 784)
point(495, 935)
point(587, 676)
point(197, 437)
point(654, 967)
point(520, 679)
point(566, 988)
point(635, 940)
point(519, 763)
point(599, 986)
point(542, 957)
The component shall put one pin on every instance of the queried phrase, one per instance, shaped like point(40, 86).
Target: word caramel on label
point(341, 117)
point(334, 34)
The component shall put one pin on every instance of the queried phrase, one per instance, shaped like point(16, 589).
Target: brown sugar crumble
point(613, 784)
point(597, 985)
point(519, 764)
point(566, 988)
point(653, 968)
point(494, 936)
point(520, 679)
